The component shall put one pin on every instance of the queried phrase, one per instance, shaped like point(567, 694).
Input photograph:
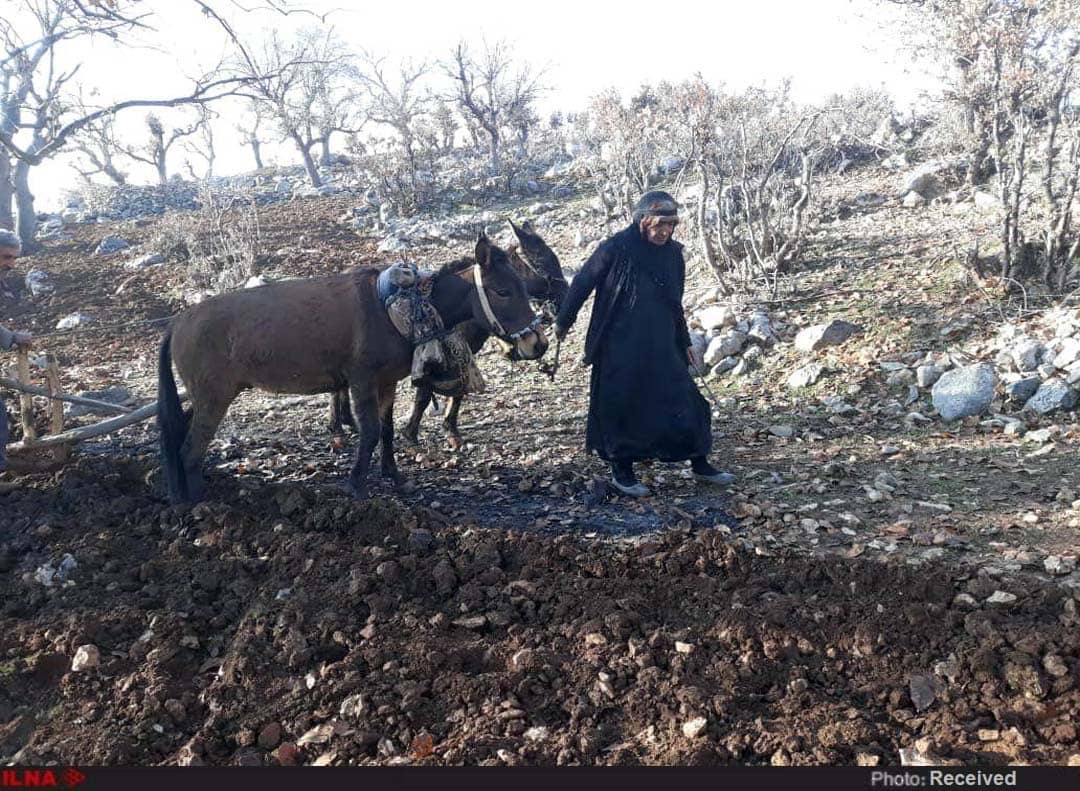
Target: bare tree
point(491, 92)
point(37, 117)
point(396, 101)
point(1014, 78)
point(98, 148)
point(250, 127)
point(308, 95)
point(154, 151)
point(201, 146)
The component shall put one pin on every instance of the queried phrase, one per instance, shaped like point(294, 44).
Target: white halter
point(489, 314)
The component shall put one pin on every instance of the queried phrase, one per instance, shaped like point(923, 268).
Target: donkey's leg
point(388, 464)
point(365, 408)
point(450, 422)
point(206, 416)
point(411, 432)
point(340, 412)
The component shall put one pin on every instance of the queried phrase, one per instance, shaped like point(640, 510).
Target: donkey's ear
point(527, 227)
point(521, 231)
point(483, 249)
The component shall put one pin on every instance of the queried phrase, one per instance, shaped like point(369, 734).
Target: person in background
point(10, 248)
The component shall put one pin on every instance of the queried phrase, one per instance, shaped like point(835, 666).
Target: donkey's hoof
point(410, 439)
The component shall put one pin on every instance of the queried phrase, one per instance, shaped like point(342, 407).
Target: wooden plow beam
point(59, 440)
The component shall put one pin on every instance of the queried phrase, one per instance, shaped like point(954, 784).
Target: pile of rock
point(1027, 374)
point(725, 343)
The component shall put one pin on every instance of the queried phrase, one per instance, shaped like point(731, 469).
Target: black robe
point(642, 402)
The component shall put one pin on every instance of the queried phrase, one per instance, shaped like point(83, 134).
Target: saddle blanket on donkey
point(442, 359)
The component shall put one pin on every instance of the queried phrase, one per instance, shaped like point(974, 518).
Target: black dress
point(643, 403)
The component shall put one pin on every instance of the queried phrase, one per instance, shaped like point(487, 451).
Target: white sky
point(585, 46)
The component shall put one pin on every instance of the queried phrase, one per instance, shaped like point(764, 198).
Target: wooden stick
point(87, 432)
point(105, 406)
point(26, 403)
point(52, 372)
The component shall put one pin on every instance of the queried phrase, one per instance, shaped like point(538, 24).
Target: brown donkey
point(539, 267)
point(316, 336)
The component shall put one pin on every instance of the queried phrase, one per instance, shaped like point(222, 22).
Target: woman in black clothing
point(642, 401)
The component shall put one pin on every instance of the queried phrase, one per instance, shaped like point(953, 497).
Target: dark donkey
point(316, 336)
point(539, 267)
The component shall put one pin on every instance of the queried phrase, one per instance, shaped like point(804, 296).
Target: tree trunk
point(7, 193)
point(256, 147)
point(325, 156)
point(309, 162)
point(24, 205)
point(162, 174)
point(494, 150)
point(109, 169)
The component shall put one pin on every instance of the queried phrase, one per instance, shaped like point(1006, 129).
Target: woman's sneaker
point(623, 479)
point(704, 471)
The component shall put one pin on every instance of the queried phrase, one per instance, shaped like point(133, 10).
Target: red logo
point(39, 778)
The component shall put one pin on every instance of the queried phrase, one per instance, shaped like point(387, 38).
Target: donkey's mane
point(455, 267)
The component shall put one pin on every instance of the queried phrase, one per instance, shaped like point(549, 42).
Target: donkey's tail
point(172, 424)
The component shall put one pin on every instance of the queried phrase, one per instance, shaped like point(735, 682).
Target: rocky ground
point(879, 587)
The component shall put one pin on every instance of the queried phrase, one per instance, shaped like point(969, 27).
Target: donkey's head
point(538, 265)
point(501, 302)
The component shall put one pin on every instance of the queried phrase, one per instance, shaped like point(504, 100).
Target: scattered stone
point(782, 431)
point(1055, 665)
point(537, 733)
point(1052, 395)
point(716, 317)
point(1041, 435)
point(964, 391)
point(270, 736)
point(352, 707)
point(985, 201)
point(927, 375)
point(113, 395)
point(1001, 599)
point(725, 365)
point(805, 376)
point(72, 320)
point(1059, 566)
point(820, 336)
point(111, 244)
point(913, 200)
point(693, 728)
point(37, 283)
point(1026, 354)
point(727, 345)
point(143, 262)
point(838, 406)
point(988, 734)
point(1069, 353)
point(923, 690)
point(87, 657)
point(1023, 389)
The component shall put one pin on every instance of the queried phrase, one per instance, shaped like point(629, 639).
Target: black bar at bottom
point(97, 778)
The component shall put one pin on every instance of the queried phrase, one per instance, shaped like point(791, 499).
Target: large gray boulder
point(964, 391)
